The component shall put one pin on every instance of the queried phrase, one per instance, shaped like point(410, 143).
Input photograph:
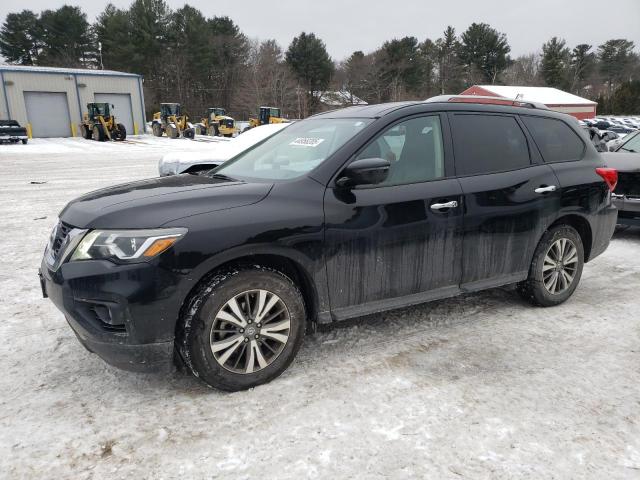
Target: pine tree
point(615, 59)
point(308, 59)
point(582, 63)
point(19, 38)
point(113, 30)
point(483, 49)
point(555, 63)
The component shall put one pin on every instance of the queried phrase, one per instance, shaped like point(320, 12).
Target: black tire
point(119, 133)
point(157, 129)
point(85, 132)
point(24, 141)
point(172, 131)
point(216, 130)
point(122, 132)
point(98, 133)
point(189, 133)
point(193, 336)
point(533, 289)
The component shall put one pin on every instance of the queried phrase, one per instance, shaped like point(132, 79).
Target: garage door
point(48, 114)
point(122, 104)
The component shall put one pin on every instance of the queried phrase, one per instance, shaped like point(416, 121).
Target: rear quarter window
point(556, 140)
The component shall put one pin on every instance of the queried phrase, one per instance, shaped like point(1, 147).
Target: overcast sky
point(348, 25)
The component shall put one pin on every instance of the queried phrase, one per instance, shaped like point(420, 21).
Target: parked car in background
point(221, 151)
point(621, 129)
point(346, 213)
point(626, 196)
point(12, 132)
point(630, 143)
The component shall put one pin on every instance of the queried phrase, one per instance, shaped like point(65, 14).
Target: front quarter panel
point(288, 223)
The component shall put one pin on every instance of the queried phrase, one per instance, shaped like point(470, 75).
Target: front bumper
point(126, 314)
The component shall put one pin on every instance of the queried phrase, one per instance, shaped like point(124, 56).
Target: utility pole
point(100, 52)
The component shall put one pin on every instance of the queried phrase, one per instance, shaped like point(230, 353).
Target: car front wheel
point(556, 267)
point(242, 328)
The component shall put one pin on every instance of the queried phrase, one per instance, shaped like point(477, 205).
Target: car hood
point(622, 161)
point(221, 150)
point(154, 202)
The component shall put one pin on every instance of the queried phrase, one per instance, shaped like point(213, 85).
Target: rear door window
point(488, 143)
point(555, 139)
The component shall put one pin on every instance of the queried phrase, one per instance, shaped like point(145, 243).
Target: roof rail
point(515, 102)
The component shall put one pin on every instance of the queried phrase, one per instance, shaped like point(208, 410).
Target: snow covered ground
point(481, 386)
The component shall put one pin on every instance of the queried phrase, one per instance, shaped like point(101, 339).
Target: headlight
point(126, 245)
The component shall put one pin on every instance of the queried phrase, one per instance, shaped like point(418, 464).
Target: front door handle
point(440, 206)
point(550, 188)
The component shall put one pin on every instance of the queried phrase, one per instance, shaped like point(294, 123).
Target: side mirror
point(368, 171)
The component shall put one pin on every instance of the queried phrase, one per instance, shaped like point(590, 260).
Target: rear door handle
point(440, 206)
point(550, 188)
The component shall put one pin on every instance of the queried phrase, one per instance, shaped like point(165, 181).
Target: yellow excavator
point(171, 121)
point(217, 123)
point(99, 124)
point(266, 116)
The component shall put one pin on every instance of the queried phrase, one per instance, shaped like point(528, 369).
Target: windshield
point(294, 151)
point(98, 109)
point(632, 145)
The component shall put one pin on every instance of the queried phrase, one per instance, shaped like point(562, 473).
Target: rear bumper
point(628, 210)
point(603, 225)
point(12, 138)
point(125, 314)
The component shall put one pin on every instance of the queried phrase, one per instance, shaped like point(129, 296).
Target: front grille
point(62, 231)
point(628, 184)
point(229, 123)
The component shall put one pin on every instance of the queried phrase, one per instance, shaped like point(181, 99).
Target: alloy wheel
point(560, 266)
point(250, 331)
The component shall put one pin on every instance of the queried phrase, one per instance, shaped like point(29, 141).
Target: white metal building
point(555, 99)
point(51, 101)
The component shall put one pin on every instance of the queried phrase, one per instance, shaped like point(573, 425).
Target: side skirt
point(378, 306)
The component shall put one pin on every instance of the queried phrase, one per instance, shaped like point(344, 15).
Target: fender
point(313, 271)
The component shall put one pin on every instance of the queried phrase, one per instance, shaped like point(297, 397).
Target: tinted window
point(555, 139)
point(488, 143)
point(414, 148)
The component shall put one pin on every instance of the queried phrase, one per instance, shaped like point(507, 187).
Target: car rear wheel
point(556, 267)
point(243, 328)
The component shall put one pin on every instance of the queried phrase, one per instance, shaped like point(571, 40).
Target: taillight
point(610, 176)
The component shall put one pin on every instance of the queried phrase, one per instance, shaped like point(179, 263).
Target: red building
point(555, 99)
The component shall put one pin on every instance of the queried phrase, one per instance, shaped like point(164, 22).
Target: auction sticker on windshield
point(307, 141)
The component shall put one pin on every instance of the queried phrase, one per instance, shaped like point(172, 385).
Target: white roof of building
point(68, 71)
point(546, 95)
point(340, 98)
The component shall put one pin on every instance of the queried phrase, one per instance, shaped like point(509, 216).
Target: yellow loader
point(99, 124)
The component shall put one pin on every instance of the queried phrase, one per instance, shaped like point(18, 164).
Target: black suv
point(343, 214)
